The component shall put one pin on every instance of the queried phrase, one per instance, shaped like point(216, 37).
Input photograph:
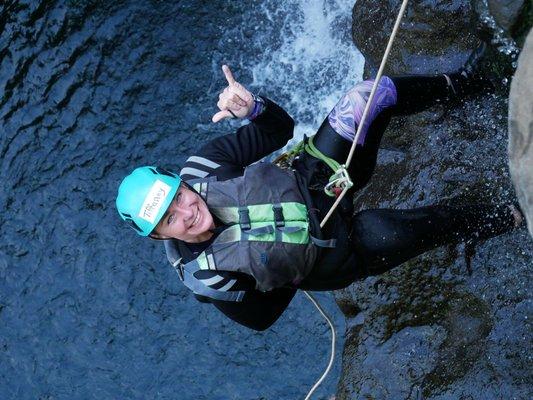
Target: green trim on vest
point(292, 211)
point(294, 232)
point(295, 227)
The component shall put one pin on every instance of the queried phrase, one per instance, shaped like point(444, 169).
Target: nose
point(183, 211)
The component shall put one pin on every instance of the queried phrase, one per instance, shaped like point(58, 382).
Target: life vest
point(270, 234)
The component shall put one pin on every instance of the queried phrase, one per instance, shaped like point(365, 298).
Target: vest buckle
point(244, 218)
point(178, 266)
point(278, 215)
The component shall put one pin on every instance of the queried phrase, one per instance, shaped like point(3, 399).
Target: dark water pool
point(91, 89)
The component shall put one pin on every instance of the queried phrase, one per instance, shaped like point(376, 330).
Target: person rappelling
point(245, 235)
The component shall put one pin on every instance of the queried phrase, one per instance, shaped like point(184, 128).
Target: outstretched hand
point(234, 101)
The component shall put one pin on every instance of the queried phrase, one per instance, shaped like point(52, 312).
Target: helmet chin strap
point(151, 236)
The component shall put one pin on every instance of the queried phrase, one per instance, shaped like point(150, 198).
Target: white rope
point(368, 103)
point(333, 336)
point(334, 206)
point(345, 188)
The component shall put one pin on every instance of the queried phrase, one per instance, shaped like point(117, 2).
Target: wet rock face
point(505, 12)
point(521, 130)
point(434, 35)
point(430, 329)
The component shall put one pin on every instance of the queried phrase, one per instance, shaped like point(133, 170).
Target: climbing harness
point(340, 182)
point(340, 177)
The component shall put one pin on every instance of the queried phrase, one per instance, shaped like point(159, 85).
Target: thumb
point(221, 115)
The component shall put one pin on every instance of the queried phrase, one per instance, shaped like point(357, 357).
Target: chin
point(207, 217)
point(208, 222)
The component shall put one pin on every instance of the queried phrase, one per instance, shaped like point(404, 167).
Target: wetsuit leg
point(385, 238)
point(336, 134)
point(400, 95)
point(394, 96)
point(416, 93)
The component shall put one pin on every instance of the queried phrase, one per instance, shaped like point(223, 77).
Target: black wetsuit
point(369, 242)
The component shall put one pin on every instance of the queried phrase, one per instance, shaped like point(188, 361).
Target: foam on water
point(302, 55)
point(315, 61)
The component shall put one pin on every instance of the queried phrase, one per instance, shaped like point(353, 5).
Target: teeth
point(196, 219)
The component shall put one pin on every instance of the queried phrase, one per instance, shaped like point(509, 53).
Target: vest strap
point(264, 230)
point(330, 243)
point(290, 229)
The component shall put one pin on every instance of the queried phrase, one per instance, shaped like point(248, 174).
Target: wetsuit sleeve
point(268, 132)
point(259, 310)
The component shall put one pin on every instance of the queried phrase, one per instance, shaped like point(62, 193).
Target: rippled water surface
point(91, 89)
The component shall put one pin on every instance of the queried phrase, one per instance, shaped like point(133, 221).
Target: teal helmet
point(144, 196)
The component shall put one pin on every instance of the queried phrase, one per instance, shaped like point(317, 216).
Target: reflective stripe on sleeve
point(194, 172)
point(203, 161)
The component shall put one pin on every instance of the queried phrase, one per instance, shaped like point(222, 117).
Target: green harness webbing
point(340, 177)
point(312, 150)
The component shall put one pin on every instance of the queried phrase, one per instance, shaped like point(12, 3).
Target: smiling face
point(187, 218)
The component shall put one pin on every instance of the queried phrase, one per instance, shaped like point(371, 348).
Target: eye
point(170, 219)
point(177, 199)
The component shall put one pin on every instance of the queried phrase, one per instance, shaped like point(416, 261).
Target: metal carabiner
point(339, 180)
